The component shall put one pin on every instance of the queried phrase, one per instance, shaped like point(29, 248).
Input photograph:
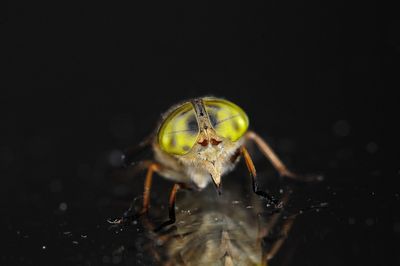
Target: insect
point(197, 142)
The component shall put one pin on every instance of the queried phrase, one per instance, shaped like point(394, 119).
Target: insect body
point(199, 141)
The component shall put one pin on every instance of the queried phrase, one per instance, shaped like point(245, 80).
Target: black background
point(85, 80)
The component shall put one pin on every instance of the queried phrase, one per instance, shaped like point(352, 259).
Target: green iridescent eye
point(179, 131)
point(228, 119)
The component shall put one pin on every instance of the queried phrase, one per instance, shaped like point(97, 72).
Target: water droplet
point(63, 206)
point(115, 158)
point(44, 247)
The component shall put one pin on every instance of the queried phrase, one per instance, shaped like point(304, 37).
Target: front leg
point(276, 162)
point(250, 166)
point(129, 214)
point(171, 207)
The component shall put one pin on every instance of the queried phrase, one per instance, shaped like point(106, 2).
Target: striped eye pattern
point(179, 132)
point(228, 120)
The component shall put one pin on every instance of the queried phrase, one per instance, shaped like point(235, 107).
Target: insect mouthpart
point(215, 177)
point(217, 185)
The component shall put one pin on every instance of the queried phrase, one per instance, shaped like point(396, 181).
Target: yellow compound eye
point(179, 131)
point(228, 119)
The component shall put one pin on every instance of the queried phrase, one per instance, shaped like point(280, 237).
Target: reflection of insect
point(221, 231)
point(197, 142)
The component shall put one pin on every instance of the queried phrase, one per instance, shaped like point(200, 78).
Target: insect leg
point(152, 167)
point(275, 161)
point(283, 235)
point(273, 220)
point(253, 173)
point(171, 207)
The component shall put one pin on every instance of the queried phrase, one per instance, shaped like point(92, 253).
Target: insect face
point(203, 134)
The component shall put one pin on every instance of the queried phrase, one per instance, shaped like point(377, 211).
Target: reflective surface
point(76, 231)
point(82, 82)
point(64, 180)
